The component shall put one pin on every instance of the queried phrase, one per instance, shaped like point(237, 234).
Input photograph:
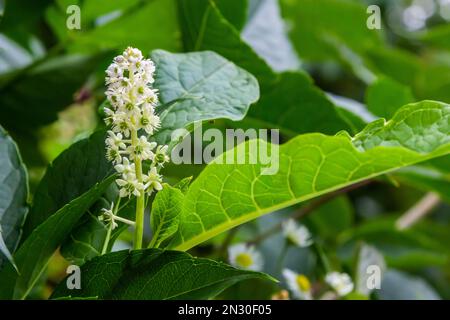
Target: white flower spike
point(298, 284)
point(340, 282)
point(245, 257)
point(297, 234)
point(132, 118)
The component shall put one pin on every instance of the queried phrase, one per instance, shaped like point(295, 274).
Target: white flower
point(245, 257)
point(298, 284)
point(127, 169)
point(340, 282)
point(296, 233)
point(149, 120)
point(115, 140)
point(129, 187)
point(108, 216)
point(132, 54)
point(113, 154)
point(152, 181)
point(142, 149)
point(161, 156)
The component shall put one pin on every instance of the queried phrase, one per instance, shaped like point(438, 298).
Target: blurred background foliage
point(303, 52)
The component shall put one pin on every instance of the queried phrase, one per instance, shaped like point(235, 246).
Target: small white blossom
point(142, 149)
point(153, 181)
point(161, 156)
point(298, 284)
point(296, 233)
point(127, 169)
point(115, 140)
point(108, 216)
point(129, 187)
point(245, 257)
point(340, 282)
point(113, 154)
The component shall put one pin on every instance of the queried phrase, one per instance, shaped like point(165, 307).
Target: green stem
point(107, 239)
point(108, 233)
point(140, 201)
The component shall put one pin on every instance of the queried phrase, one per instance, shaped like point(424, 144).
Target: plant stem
point(140, 201)
point(110, 227)
point(108, 237)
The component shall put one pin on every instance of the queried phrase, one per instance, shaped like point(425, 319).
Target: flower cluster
point(132, 118)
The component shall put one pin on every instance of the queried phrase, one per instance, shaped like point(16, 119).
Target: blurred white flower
point(340, 282)
point(245, 257)
point(296, 233)
point(298, 284)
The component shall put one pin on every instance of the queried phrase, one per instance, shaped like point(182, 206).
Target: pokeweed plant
point(103, 188)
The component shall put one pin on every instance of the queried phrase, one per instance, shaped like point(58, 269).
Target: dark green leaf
point(33, 255)
point(73, 173)
point(154, 274)
point(205, 28)
point(385, 96)
point(13, 196)
point(34, 95)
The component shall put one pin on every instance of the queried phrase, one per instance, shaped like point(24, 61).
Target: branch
point(418, 211)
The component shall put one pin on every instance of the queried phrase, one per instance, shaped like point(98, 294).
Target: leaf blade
point(155, 274)
point(321, 164)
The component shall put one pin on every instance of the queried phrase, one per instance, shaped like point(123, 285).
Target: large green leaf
point(154, 274)
point(227, 195)
point(34, 95)
point(200, 86)
point(205, 28)
point(13, 196)
point(33, 255)
point(164, 217)
point(21, 17)
point(71, 174)
point(235, 11)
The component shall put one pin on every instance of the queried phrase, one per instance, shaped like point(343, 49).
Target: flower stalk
point(133, 120)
